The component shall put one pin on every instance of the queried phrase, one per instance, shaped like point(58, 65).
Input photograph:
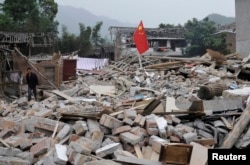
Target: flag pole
point(139, 57)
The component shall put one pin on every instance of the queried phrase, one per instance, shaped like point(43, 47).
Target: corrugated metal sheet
point(69, 69)
point(91, 63)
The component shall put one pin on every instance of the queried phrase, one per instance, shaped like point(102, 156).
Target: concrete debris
point(122, 114)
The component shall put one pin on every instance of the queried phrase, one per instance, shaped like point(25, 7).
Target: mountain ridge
point(221, 19)
point(71, 17)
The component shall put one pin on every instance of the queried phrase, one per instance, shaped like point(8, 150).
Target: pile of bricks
point(79, 124)
point(38, 139)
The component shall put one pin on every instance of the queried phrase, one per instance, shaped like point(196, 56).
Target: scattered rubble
point(172, 111)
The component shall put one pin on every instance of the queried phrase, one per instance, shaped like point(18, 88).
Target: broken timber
point(57, 92)
point(176, 154)
point(238, 129)
point(164, 65)
point(150, 107)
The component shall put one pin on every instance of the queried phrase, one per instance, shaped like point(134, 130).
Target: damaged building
point(164, 41)
point(17, 50)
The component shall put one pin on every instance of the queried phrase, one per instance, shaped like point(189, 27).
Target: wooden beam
point(138, 151)
point(57, 92)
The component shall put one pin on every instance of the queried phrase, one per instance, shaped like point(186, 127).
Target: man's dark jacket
point(32, 80)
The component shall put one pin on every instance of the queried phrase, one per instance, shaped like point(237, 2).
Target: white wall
point(242, 13)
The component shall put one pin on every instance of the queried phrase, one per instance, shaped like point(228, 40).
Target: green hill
point(220, 19)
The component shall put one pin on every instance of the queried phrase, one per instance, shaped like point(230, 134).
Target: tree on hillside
point(68, 42)
point(88, 39)
point(28, 15)
point(84, 39)
point(96, 37)
point(169, 26)
point(201, 36)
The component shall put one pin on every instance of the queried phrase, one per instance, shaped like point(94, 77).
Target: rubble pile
point(173, 110)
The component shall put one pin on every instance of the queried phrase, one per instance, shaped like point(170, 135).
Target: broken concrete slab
point(60, 156)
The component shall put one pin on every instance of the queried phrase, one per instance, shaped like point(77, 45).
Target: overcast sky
point(154, 12)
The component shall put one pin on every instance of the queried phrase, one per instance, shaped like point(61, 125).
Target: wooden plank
point(149, 108)
point(138, 151)
point(165, 65)
point(238, 128)
point(228, 125)
point(176, 153)
point(59, 93)
point(116, 113)
point(154, 156)
point(144, 103)
point(146, 152)
point(205, 142)
point(158, 109)
point(199, 154)
point(3, 142)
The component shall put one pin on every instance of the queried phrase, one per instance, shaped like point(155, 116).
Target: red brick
point(40, 147)
point(151, 123)
point(110, 122)
point(73, 137)
point(137, 119)
point(121, 129)
point(14, 141)
point(174, 139)
point(128, 137)
point(152, 131)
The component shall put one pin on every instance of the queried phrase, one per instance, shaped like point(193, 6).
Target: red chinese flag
point(140, 39)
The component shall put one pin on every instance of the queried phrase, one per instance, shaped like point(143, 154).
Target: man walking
point(32, 82)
